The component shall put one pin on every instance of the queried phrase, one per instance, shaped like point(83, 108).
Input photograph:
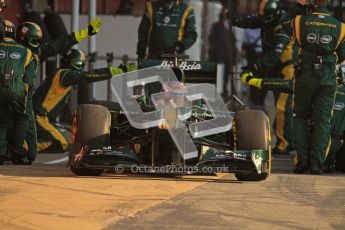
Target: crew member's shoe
point(300, 168)
point(2, 160)
point(9, 154)
point(330, 168)
point(315, 172)
point(17, 160)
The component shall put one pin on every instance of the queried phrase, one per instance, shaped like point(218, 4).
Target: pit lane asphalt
point(47, 195)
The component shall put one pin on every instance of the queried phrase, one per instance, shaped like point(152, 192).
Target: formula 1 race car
point(174, 130)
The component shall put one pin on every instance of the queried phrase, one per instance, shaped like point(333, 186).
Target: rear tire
point(252, 132)
point(92, 129)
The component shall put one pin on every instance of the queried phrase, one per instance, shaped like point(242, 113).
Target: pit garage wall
point(119, 35)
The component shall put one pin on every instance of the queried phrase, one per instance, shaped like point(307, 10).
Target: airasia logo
point(184, 65)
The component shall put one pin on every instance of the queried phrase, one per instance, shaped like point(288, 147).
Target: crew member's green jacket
point(279, 50)
point(162, 30)
point(51, 97)
point(324, 38)
point(57, 46)
point(16, 63)
point(253, 22)
point(46, 50)
point(15, 60)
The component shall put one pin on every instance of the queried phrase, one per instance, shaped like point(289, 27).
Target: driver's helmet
point(270, 11)
point(74, 59)
point(10, 29)
point(30, 35)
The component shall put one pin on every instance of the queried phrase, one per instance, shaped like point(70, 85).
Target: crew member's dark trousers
point(31, 136)
point(336, 145)
point(4, 123)
point(13, 108)
point(316, 100)
point(340, 159)
point(30, 143)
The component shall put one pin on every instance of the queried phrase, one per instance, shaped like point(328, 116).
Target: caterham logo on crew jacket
point(339, 106)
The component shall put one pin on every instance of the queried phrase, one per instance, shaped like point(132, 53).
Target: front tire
point(246, 123)
point(91, 127)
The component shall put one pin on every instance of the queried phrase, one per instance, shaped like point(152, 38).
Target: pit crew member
point(50, 98)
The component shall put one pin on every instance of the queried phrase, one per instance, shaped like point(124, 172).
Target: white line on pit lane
point(64, 159)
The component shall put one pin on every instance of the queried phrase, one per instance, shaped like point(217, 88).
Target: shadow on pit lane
point(162, 177)
point(62, 171)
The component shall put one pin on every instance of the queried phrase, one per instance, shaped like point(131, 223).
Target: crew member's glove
point(254, 69)
point(246, 76)
point(94, 26)
point(248, 79)
point(91, 30)
point(122, 69)
point(128, 67)
point(115, 71)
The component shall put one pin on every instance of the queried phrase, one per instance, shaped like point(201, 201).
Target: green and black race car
point(162, 124)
